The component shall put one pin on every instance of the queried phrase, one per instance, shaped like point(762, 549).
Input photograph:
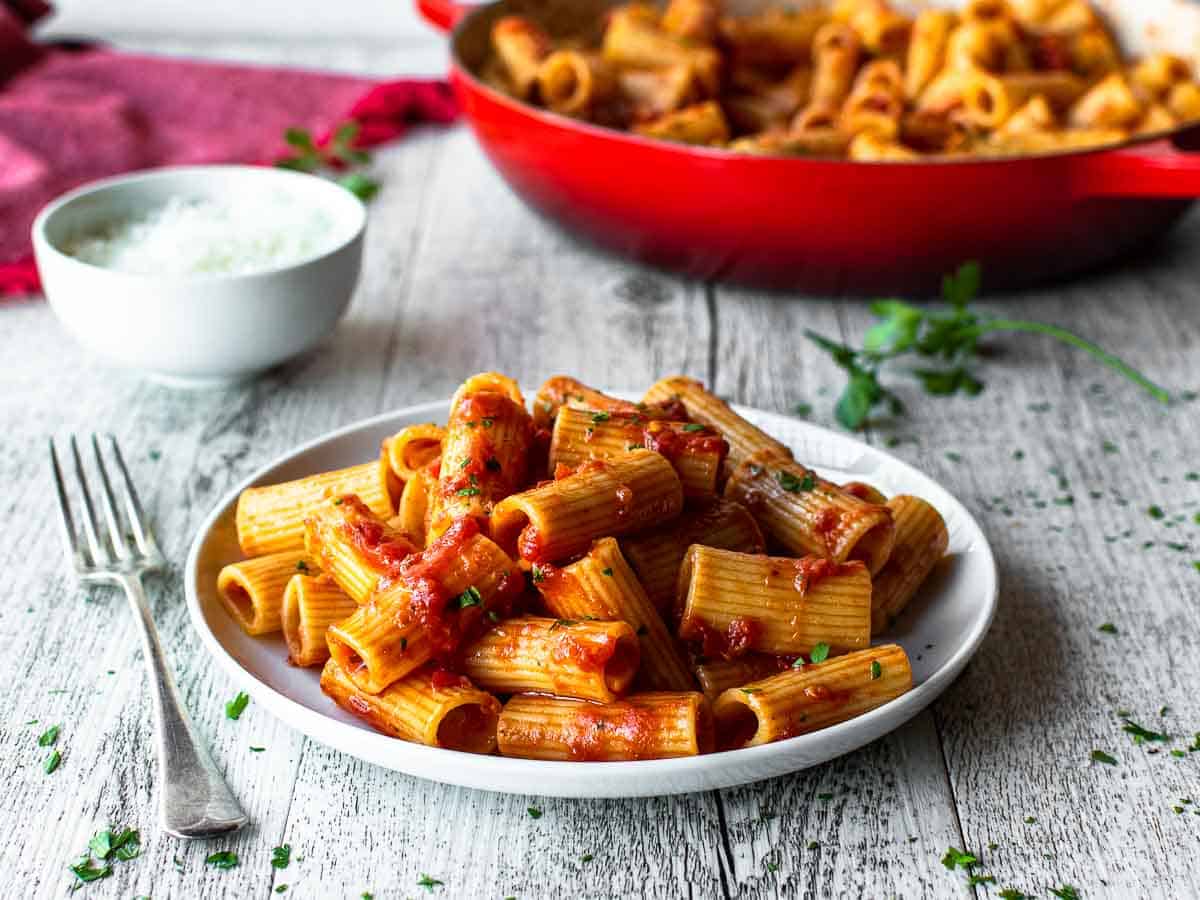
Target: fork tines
point(127, 542)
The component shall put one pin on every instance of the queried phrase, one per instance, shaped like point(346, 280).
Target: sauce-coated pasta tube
point(692, 20)
point(773, 37)
point(310, 606)
point(811, 697)
point(658, 725)
point(413, 448)
point(561, 518)
point(444, 596)
point(719, 675)
point(1109, 104)
point(630, 40)
point(695, 451)
point(807, 514)
point(835, 56)
point(456, 716)
point(413, 510)
point(574, 83)
point(882, 30)
point(1159, 72)
point(657, 554)
point(252, 590)
point(926, 49)
point(485, 454)
point(353, 547)
point(601, 585)
point(921, 541)
point(585, 659)
point(651, 93)
point(270, 519)
point(870, 146)
point(707, 408)
point(701, 123)
point(562, 390)
point(520, 45)
point(734, 602)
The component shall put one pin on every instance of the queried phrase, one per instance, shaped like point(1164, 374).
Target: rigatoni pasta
point(785, 81)
point(601, 564)
point(805, 698)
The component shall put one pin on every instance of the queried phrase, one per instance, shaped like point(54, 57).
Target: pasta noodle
point(777, 80)
point(736, 602)
point(804, 699)
point(252, 590)
point(456, 716)
point(658, 725)
point(921, 541)
point(354, 547)
point(310, 606)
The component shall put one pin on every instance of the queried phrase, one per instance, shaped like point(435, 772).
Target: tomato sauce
point(617, 731)
point(384, 550)
point(738, 637)
point(590, 654)
point(812, 569)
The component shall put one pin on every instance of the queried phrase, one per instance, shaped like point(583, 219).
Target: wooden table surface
point(460, 277)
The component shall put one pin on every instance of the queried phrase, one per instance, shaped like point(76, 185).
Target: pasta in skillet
point(596, 580)
point(854, 79)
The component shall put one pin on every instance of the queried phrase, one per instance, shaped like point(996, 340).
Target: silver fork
point(194, 801)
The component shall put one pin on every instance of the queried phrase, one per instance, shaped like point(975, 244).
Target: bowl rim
point(355, 215)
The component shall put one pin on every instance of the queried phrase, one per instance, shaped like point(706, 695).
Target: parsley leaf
point(52, 762)
point(469, 597)
point(49, 736)
point(534, 812)
point(695, 426)
point(1108, 628)
point(87, 871)
point(876, 669)
point(1066, 892)
point(428, 883)
point(819, 653)
point(468, 492)
point(1101, 756)
point(281, 856)
point(235, 707)
point(955, 858)
point(1141, 734)
point(598, 417)
point(794, 485)
point(948, 335)
point(222, 859)
point(1012, 894)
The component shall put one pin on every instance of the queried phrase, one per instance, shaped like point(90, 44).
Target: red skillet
point(814, 225)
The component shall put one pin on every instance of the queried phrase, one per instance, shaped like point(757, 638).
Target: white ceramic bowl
point(198, 330)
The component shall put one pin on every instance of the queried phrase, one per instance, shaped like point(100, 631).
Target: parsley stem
point(1067, 337)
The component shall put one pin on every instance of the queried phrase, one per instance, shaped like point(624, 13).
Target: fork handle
point(194, 801)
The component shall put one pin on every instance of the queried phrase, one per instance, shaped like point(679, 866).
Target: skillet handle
point(1161, 169)
point(442, 14)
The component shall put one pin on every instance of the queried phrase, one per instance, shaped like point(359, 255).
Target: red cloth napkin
point(71, 116)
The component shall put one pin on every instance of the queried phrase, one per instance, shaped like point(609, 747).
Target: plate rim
point(486, 769)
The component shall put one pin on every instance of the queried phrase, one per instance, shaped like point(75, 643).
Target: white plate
point(940, 632)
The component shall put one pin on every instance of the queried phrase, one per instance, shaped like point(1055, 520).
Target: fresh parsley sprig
point(948, 338)
point(339, 155)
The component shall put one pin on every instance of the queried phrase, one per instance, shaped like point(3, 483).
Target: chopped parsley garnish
point(1101, 756)
point(428, 883)
point(876, 669)
point(803, 410)
point(1155, 512)
point(1162, 713)
point(1066, 892)
point(1109, 447)
point(981, 879)
point(534, 812)
point(607, 571)
point(1141, 734)
point(538, 575)
point(337, 502)
point(599, 417)
point(772, 866)
point(235, 707)
point(695, 426)
point(820, 653)
point(953, 457)
point(1108, 628)
point(955, 858)
point(49, 736)
point(492, 617)
point(468, 492)
point(1030, 820)
point(403, 644)
point(488, 422)
point(466, 462)
point(281, 888)
point(1012, 894)
point(794, 485)
point(301, 566)
point(52, 762)
point(824, 796)
point(254, 749)
point(749, 690)
point(222, 859)
point(281, 856)
point(469, 597)
point(586, 858)
point(562, 623)
point(87, 871)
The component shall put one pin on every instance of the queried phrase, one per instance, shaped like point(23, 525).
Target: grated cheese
point(194, 236)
